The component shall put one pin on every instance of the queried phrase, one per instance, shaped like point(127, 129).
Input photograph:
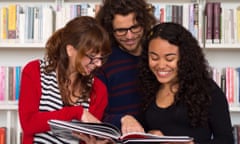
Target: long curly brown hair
point(144, 14)
point(193, 72)
point(84, 34)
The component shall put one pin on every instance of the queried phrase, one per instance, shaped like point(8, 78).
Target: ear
point(70, 50)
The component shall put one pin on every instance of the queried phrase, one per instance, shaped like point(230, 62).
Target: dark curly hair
point(193, 77)
point(143, 11)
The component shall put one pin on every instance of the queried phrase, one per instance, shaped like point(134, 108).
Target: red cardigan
point(33, 121)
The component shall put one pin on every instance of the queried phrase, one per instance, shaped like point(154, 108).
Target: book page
point(146, 137)
point(100, 130)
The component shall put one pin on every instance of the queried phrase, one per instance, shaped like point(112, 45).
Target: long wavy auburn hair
point(84, 34)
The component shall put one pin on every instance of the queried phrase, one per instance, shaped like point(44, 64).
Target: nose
point(98, 63)
point(129, 34)
point(161, 63)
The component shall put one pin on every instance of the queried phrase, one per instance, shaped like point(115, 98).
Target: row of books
point(9, 82)
point(222, 23)
point(8, 132)
point(228, 79)
point(186, 14)
point(26, 22)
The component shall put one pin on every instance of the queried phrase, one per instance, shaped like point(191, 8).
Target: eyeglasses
point(95, 60)
point(123, 31)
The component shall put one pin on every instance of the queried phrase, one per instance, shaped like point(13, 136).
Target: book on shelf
point(238, 23)
point(2, 135)
point(12, 21)
point(216, 22)
point(3, 22)
point(209, 22)
point(65, 129)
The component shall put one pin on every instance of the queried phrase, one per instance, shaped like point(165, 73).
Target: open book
point(108, 131)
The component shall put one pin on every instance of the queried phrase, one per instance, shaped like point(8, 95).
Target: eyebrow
point(126, 28)
point(168, 54)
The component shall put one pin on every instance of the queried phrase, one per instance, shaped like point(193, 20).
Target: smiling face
point(91, 61)
point(163, 58)
point(88, 62)
point(130, 41)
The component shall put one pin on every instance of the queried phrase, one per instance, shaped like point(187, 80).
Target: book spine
point(191, 19)
point(17, 81)
point(84, 9)
point(223, 81)
point(238, 73)
point(174, 13)
point(180, 14)
point(209, 22)
point(12, 21)
point(10, 83)
point(47, 20)
point(3, 23)
point(3, 135)
point(238, 23)
point(231, 24)
point(185, 17)
point(216, 22)
point(195, 19)
point(22, 20)
point(168, 13)
point(36, 24)
point(2, 83)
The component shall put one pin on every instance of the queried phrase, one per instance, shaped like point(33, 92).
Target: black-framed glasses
point(123, 31)
point(95, 60)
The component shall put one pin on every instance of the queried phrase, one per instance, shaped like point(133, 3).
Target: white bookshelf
point(19, 52)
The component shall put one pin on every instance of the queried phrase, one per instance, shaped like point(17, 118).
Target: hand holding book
point(108, 131)
point(89, 139)
point(130, 124)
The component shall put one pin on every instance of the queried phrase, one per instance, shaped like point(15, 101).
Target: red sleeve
point(99, 98)
point(31, 119)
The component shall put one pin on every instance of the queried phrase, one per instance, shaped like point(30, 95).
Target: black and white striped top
point(51, 101)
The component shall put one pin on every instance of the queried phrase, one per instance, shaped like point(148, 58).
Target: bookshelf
point(226, 53)
point(17, 52)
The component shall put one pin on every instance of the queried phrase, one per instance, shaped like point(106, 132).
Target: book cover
point(108, 131)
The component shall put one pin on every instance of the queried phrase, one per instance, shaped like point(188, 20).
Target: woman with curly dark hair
point(180, 96)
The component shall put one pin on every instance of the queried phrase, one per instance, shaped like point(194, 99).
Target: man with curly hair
point(127, 22)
